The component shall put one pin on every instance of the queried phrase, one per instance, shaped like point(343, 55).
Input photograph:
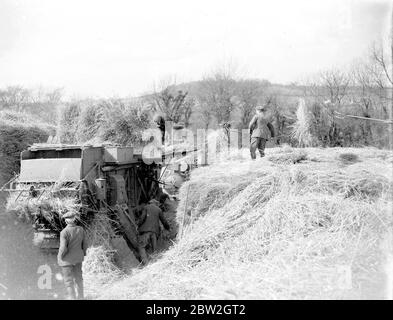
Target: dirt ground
point(22, 265)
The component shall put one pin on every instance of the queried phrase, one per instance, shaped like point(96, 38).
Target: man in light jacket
point(72, 250)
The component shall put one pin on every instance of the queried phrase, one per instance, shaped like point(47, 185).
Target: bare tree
point(312, 88)
point(336, 83)
point(383, 62)
point(169, 101)
point(365, 96)
point(188, 108)
point(14, 97)
point(219, 90)
point(54, 96)
point(247, 94)
point(384, 74)
point(325, 93)
point(204, 110)
point(278, 109)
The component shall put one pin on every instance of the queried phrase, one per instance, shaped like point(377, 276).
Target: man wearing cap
point(160, 123)
point(149, 227)
point(260, 130)
point(72, 250)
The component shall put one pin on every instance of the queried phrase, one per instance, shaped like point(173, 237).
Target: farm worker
point(260, 130)
point(85, 197)
point(72, 250)
point(160, 122)
point(33, 192)
point(162, 197)
point(149, 228)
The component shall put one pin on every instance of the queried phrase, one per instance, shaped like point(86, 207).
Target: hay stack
point(291, 232)
point(50, 204)
point(99, 265)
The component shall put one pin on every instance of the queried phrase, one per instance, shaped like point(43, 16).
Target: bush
point(14, 138)
point(68, 123)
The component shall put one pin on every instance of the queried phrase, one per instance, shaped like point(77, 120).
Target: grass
point(275, 231)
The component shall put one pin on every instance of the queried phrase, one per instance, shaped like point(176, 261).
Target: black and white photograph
point(217, 152)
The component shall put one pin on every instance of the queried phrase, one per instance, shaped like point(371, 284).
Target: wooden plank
point(388, 121)
point(142, 187)
point(128, 227)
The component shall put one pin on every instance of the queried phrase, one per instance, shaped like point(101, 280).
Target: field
point(298, 224)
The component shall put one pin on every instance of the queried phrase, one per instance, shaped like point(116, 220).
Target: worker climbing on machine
point(33, 193)
point(160, 122)
point(72, 250)
point(149, 228)
point(261, 130)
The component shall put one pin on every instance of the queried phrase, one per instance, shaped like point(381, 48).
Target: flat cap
point(69, 215)
point(154, 201)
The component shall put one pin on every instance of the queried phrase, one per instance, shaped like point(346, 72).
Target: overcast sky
point(101, 48)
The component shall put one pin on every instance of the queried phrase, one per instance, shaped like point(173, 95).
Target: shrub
point(68, 123)
point(14, 138)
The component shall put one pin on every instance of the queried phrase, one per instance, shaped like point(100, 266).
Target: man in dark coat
point(261, 130)
point(160, 123)
point(149, 228)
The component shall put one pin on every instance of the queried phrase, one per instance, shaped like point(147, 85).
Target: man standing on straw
point(260, 130)
point(73, 246)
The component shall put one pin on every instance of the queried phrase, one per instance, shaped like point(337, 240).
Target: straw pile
point(288, 156)
point(52, 208)
point(309, 230)
point(52, 202)
point(302, 128)
point(99, 267)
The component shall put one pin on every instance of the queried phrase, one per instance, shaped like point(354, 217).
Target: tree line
point(223, 98)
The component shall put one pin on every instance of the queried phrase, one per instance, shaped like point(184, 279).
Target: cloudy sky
point(100, 48)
